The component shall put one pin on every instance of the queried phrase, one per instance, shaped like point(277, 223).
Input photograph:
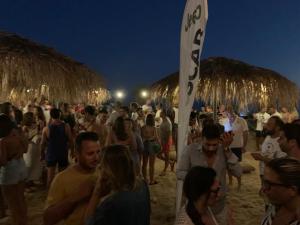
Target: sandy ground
point(247, 206)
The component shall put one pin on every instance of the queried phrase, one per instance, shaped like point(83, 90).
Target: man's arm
point(60, 211)
point(63, 207)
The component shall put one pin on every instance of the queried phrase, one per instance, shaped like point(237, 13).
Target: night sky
point(134, 43)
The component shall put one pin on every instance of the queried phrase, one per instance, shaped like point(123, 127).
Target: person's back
point(57, 140)
point(126, 208)
point(148, 133)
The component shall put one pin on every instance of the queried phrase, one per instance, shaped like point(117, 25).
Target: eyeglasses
point(268, 184)
point(215, 191)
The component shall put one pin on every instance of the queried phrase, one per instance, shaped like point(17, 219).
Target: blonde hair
point(118, 168)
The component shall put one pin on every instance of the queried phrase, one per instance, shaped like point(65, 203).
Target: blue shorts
point(150, 147)
point(13, 172)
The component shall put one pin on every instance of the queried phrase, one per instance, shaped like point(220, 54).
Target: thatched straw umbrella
point(30, 70)
point(224, 81)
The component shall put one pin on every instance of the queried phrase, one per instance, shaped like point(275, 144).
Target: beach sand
point(246, 204)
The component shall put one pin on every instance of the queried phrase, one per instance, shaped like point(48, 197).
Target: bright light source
point(96, 92)
point(120, 94)
point(28, 90)
point(144, 94)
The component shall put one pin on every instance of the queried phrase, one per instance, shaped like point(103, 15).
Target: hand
point(226, 139)
point(257, 156)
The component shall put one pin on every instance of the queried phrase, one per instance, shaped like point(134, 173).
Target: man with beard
point(70, 190)
point(289, 140)
point(270, 148)
point(213, 152)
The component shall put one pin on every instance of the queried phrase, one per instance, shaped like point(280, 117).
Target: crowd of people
point(205, 162)
point(83, 155)
point(97, 162)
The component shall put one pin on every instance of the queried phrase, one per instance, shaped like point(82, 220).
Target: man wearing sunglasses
point(213, 152)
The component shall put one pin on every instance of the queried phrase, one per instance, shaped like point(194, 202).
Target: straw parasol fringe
point(29, 70)
point(234, 82)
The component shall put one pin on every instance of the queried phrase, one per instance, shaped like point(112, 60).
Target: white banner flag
point(192, 38)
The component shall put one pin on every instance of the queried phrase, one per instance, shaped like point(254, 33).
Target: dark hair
point(5, 108)
point(103, 111)
point(85, 136)
point(128, 119)
point(18, 116)
point(160, 105)
point(6, 125)
point(211, 131)
point(150, 121)
point(117, 105)
point(40, 113)
point(164, 112)
point(288, 171)
point(28, 119)
point(193, 115)
point(65, 107)
point(279, 123)
point(119, 129)
point(134, 105)
point(198, 182)
point(90, 110)
point(292, 131)
point(125, 108)
point(55, 113)
point(208, 121)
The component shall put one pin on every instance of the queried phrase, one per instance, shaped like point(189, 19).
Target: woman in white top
point(201, 190)
point(282, 187)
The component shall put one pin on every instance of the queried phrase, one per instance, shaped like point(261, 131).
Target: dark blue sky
point(134, 43)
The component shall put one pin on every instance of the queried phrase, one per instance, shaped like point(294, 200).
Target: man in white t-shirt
point(270, 148)
point(261, 120)
point(239, 128)
point(134, 107)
